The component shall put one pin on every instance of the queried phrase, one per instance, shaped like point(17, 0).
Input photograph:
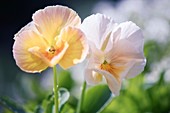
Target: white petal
point(114, 37)
point(97, 28)
point(93, 62)
point(112, 82)
point(92, 77)
point(128, 49)
point(136, 68)
point(132, 33)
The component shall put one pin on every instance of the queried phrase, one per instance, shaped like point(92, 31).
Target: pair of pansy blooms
point(57, 36)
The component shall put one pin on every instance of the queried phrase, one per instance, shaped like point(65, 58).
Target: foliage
point(136, 96)
point(139, 97)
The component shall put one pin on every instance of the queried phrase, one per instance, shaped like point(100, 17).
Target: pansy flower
point(53, 37)
point(116, 51)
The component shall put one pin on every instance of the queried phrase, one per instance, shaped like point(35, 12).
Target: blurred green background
point(147, 93)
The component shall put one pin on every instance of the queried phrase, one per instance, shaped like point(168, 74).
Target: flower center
point(52, 50)
point(107, 67)
point(114, 70)
point(105, 62)
point(52, 54)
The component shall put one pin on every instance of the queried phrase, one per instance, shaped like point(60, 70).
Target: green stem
point(79, 107)
point(55, 89)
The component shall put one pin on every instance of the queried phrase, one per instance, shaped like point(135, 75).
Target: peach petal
point(52, 19)
point(77, 49)
point(24, 59)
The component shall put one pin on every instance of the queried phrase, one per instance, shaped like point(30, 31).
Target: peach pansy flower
point(53, 37)
point(116, 51)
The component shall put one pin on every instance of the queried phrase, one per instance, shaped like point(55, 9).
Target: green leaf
point(72, 101)
point(48, 103)
point(95, 98)
point(65, 80)
point(11, 105)
point(63, 97)
point(38, 109)
point(68, 109)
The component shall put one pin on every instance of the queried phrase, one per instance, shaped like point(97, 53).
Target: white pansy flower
point(116, 51)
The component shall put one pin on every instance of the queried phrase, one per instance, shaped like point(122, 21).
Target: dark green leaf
point(48, 104)
point(95, 98)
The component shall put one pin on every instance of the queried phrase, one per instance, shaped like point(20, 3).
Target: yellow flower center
point(114, 70)
point(53, 50)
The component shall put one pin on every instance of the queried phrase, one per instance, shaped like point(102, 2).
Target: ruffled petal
point(78, 47)
point(132, 34)
point(127, 49)
point(92, 77)
point(96, 56)
point(97, 28)
point(112, 82)
point(24, 59)
point(29, 26)
point(136, 68)
point(52, 19)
